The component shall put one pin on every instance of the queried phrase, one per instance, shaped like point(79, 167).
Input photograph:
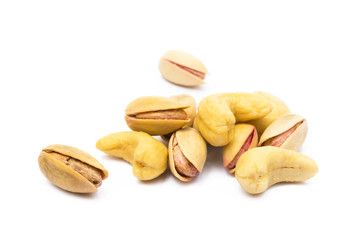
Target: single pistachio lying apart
point(187, 153)
point(156, 115)
point(279, 109)
point(261, 167)
point(288, 131)
point(182, 68)
point(245, 138)
point(147, 155)
point(71, 169)
point(218, 114)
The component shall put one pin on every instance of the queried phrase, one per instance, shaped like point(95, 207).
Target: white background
point(68, 69)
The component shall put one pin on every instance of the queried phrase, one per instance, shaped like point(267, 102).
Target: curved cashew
point(218, 113)
point(147, 155)
point(261, 167)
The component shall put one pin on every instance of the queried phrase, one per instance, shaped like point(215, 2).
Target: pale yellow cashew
point(261, 167)
point(218, 113)
point(147, 154)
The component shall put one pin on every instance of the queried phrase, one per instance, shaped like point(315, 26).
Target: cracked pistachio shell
point(218, 114)
point(279, 109)
point(187, 100)
point(281, 126)
point(154, 126)
point(182, 68)
point(236, 146)
point(261, 167)
point(63, 175)
point(147, 155)
point(193, 146)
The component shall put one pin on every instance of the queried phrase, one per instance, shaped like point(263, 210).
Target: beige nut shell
point(281, 125)
point(64, 176)
point(154, 126)
point(177, 75)
point(241, 133)
point(193, 147)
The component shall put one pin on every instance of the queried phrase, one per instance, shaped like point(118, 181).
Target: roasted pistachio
point(156, 115)
point(147, 155)
point(71, 169)
point(218, 113)
point(245, 138)
point(279, 109)
point(182, 68)
point(187, 153)
point(288, 131)
point(261, 167)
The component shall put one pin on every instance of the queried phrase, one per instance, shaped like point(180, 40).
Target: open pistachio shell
point(192, 146)
point(279, 109)
point(63, 175)
point(182, 68)
point(245, 138)
point(288, 131)
point(187, 100)
point(156, 125)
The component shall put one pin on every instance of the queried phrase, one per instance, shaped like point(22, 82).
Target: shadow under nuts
point(182, 68)
point(261, 167)
point(245, 138)
point(71, 169)
point(147, 155)
point(288, 131)
point(218, 114)
point(187, 153)
point(156, 115)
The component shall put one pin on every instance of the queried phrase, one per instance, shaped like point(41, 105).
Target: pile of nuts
point(233, 121)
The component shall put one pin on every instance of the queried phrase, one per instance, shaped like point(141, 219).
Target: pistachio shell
point(193, 146)
point(171, 67)
point(147, 155)
point(283, 124)
point(63, 175)
point(154, 126)
point(218, 114)
point(235, 149)
point(279, 109)
point(187, 100)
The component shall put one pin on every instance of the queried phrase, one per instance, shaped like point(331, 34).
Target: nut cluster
point(258, 135)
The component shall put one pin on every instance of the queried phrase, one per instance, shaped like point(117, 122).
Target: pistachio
point(279, 109)
point(288, 131)
point(261, 167)
point(71, 169)
point(218, 114)
point(187, 153)
point(190, 111)
point(156, 115)
point(245, 138)
point(182, 68)
point(147, 155)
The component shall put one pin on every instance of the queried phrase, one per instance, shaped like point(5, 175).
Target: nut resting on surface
point(147, 155)
point(187, 153)
point(182, 68)
point(245, 138)
point(71, 169)
point(261, 167)
point(218, 114)
point(156, 115)
point(288, 131)
point(279, 109)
